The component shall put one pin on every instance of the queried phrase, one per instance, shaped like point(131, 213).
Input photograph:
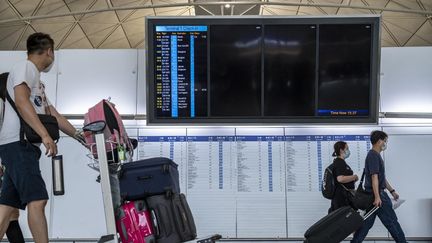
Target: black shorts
point(22, 180)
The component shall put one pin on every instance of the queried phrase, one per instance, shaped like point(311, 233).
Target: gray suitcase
point(174, 220)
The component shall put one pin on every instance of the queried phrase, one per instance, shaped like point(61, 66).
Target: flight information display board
point(262, 70)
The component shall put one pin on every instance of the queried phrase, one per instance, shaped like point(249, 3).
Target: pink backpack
point(115, 133)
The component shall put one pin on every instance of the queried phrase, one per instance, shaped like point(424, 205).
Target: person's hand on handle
point(79, 136)
point(395, 195)
point(377, 202)
point(50, 146)
point(355, 178)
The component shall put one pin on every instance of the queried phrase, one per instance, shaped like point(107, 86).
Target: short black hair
point(337, 148)
point(377, 135)
point(39, 42)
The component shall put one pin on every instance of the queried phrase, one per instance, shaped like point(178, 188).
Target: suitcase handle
point(143, 178)
point(155, 222)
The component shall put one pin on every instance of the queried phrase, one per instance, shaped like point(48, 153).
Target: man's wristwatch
point(392, 191)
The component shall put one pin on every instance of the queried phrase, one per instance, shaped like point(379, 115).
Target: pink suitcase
point(134, 223)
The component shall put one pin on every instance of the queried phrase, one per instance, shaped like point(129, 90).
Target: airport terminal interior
point(237, 104)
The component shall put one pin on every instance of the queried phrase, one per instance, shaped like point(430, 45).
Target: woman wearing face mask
point(344, 176)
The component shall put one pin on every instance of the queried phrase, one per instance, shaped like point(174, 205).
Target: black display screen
point(263, 70)
point(289, 73)
point(235, 70)
point(344, 70)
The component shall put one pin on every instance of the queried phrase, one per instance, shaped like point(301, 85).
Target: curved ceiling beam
point(427, 13)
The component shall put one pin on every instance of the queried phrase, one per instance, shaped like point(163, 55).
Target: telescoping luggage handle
point(372, 211)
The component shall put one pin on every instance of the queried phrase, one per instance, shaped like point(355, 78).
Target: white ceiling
point(405, 22)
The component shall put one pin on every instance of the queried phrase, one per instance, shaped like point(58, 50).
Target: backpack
point(115, 133)
point(328, 185)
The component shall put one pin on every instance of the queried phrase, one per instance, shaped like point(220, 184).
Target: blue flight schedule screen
point(181, 71)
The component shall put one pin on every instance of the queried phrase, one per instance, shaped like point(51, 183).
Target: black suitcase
point(144, 178)
point(174, 218)
point(336, 226)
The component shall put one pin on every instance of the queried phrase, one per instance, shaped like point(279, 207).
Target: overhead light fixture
point(227, 5)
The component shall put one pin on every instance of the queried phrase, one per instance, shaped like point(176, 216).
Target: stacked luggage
point(155, 209)
point(150, 207)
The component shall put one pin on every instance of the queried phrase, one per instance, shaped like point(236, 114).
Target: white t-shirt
point(23, 72)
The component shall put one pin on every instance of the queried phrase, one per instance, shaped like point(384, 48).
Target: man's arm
point(66, 127)
point(64, 124)
point(375, 188)
point(388, 186)
point(29, 115)
point(391, 190)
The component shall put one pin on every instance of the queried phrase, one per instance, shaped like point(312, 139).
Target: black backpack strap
point(362, 178)
point(12, 103)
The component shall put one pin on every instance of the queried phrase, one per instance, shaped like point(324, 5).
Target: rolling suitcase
point(134, 223)
point(174, 218)
point(148, 177)
point(336, 226)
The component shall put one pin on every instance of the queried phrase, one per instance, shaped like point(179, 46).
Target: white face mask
point(347, 153)
point(384, 146)
point(47, 69)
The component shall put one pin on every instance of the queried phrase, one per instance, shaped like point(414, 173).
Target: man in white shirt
point(23, 185)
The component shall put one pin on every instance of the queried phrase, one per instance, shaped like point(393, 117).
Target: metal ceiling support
point(154, 6)
point(415, 33)
point(139, 43)
point(262, 9)
point(108, 35)
point(110, 5)
point(21, 18)
point(269, 10)
point(319, 8)
point(154, 11)
point(76, 23)
point(429, 17)
point(399, 4)
point(126, 19)
point(120, 24)
point(93, 33)
point(247, 10)
point(337, 11)
point(384, 25)
point(298, 8)
point(17, 30)
point(205, 9)
point(184, 11)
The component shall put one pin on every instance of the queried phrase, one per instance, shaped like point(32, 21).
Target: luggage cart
point(97, 128)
